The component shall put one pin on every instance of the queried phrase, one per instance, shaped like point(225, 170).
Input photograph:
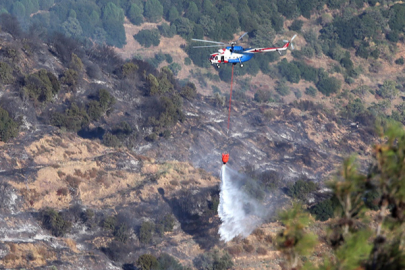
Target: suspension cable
point(230, 99)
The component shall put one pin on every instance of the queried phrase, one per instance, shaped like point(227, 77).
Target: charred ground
point(103, 167)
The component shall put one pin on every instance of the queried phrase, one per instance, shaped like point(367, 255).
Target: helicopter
point(237, 54)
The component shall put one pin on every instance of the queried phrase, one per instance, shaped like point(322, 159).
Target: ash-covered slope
point(272, 137)
point(101, 196)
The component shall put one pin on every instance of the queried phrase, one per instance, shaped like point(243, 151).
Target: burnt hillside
point(104, 160)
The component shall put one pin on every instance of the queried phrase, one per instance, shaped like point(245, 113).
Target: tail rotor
point(292, 45)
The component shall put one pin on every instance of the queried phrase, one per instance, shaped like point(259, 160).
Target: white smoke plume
point(239, 212)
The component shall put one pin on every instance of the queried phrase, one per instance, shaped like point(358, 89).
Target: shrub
point(323, 210)
point(282, 88)
point(106, 100)
point(8, 127)
point(188, 91)
point(235, 250)
point(41, 86)
point(399, 61)
point(261, 251)
point(169, 58)
point(54, 221)
point(109, 223)
point(70, 77)
point(298, 94)
point(311, 91)
point(296, 25)
point(111, 140)
point(262, 96)
point(248, 248)
point(73, 182)
point(146, 232)
point(328, 85)
point(301, 188)
point(73, 119)
point(147, 262)
point(62, 192)
point(187, 61)
point(148, 38)
point(6, 75)
point(121, 233)
point(167, 262)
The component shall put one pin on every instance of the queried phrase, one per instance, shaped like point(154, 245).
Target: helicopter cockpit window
point(216, 57)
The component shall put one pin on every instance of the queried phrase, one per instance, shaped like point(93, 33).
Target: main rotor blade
point(244, 34)
point(209, 41)
point(293, 37)
point(208, 46)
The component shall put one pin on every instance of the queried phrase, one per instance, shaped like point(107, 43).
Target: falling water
point(239, 212)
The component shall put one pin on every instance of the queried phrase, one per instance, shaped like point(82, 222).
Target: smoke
point(239, 208)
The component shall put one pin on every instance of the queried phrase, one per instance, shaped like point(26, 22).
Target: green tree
point(146, 232)
point(328, 85)
point(106, 100)
point(31, 6)
point(192, 12)
point(293, 241)
point(54, 221)
point(388, 89)
point(296, 25)
point(184, 27)
point(8, 127)
point(18, 10)
point(173, 14)
point(311, 91)
point(397, 20)
point(113, 24)
point(148, 37)
point(153, 10)
point(6, 75)
point(135, 14)
point(147, 262)
point(71, 28)
point(45, 4)
point(263, 36)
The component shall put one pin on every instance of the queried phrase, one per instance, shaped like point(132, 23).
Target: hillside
point(110, 156)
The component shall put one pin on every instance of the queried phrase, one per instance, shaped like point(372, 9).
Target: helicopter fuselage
point(235, 55)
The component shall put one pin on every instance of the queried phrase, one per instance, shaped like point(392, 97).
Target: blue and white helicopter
point(237, 54)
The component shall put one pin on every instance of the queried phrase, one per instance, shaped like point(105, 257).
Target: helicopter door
point(222, 59)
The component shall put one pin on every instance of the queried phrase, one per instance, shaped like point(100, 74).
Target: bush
point(73, 119)
point(262, 96)
point(6, 75)
point(189, 91)
point(282, 88)
point(148, 38)
point(296, 25)
point(261, 251)
point(301, 188)
point(146, 232)
point(147, 262)
point(213, 260)
point(8, 127)
point(54, 221)
point(168, 222)
point(311, 91)
point(298, 94)
point(187, 61)
point(111, 140)
point(399, 61)
point(70, 77)
point(41, 86)
point(328, 85)
point(323, 210)
point(248, 248)
point(167, 262)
